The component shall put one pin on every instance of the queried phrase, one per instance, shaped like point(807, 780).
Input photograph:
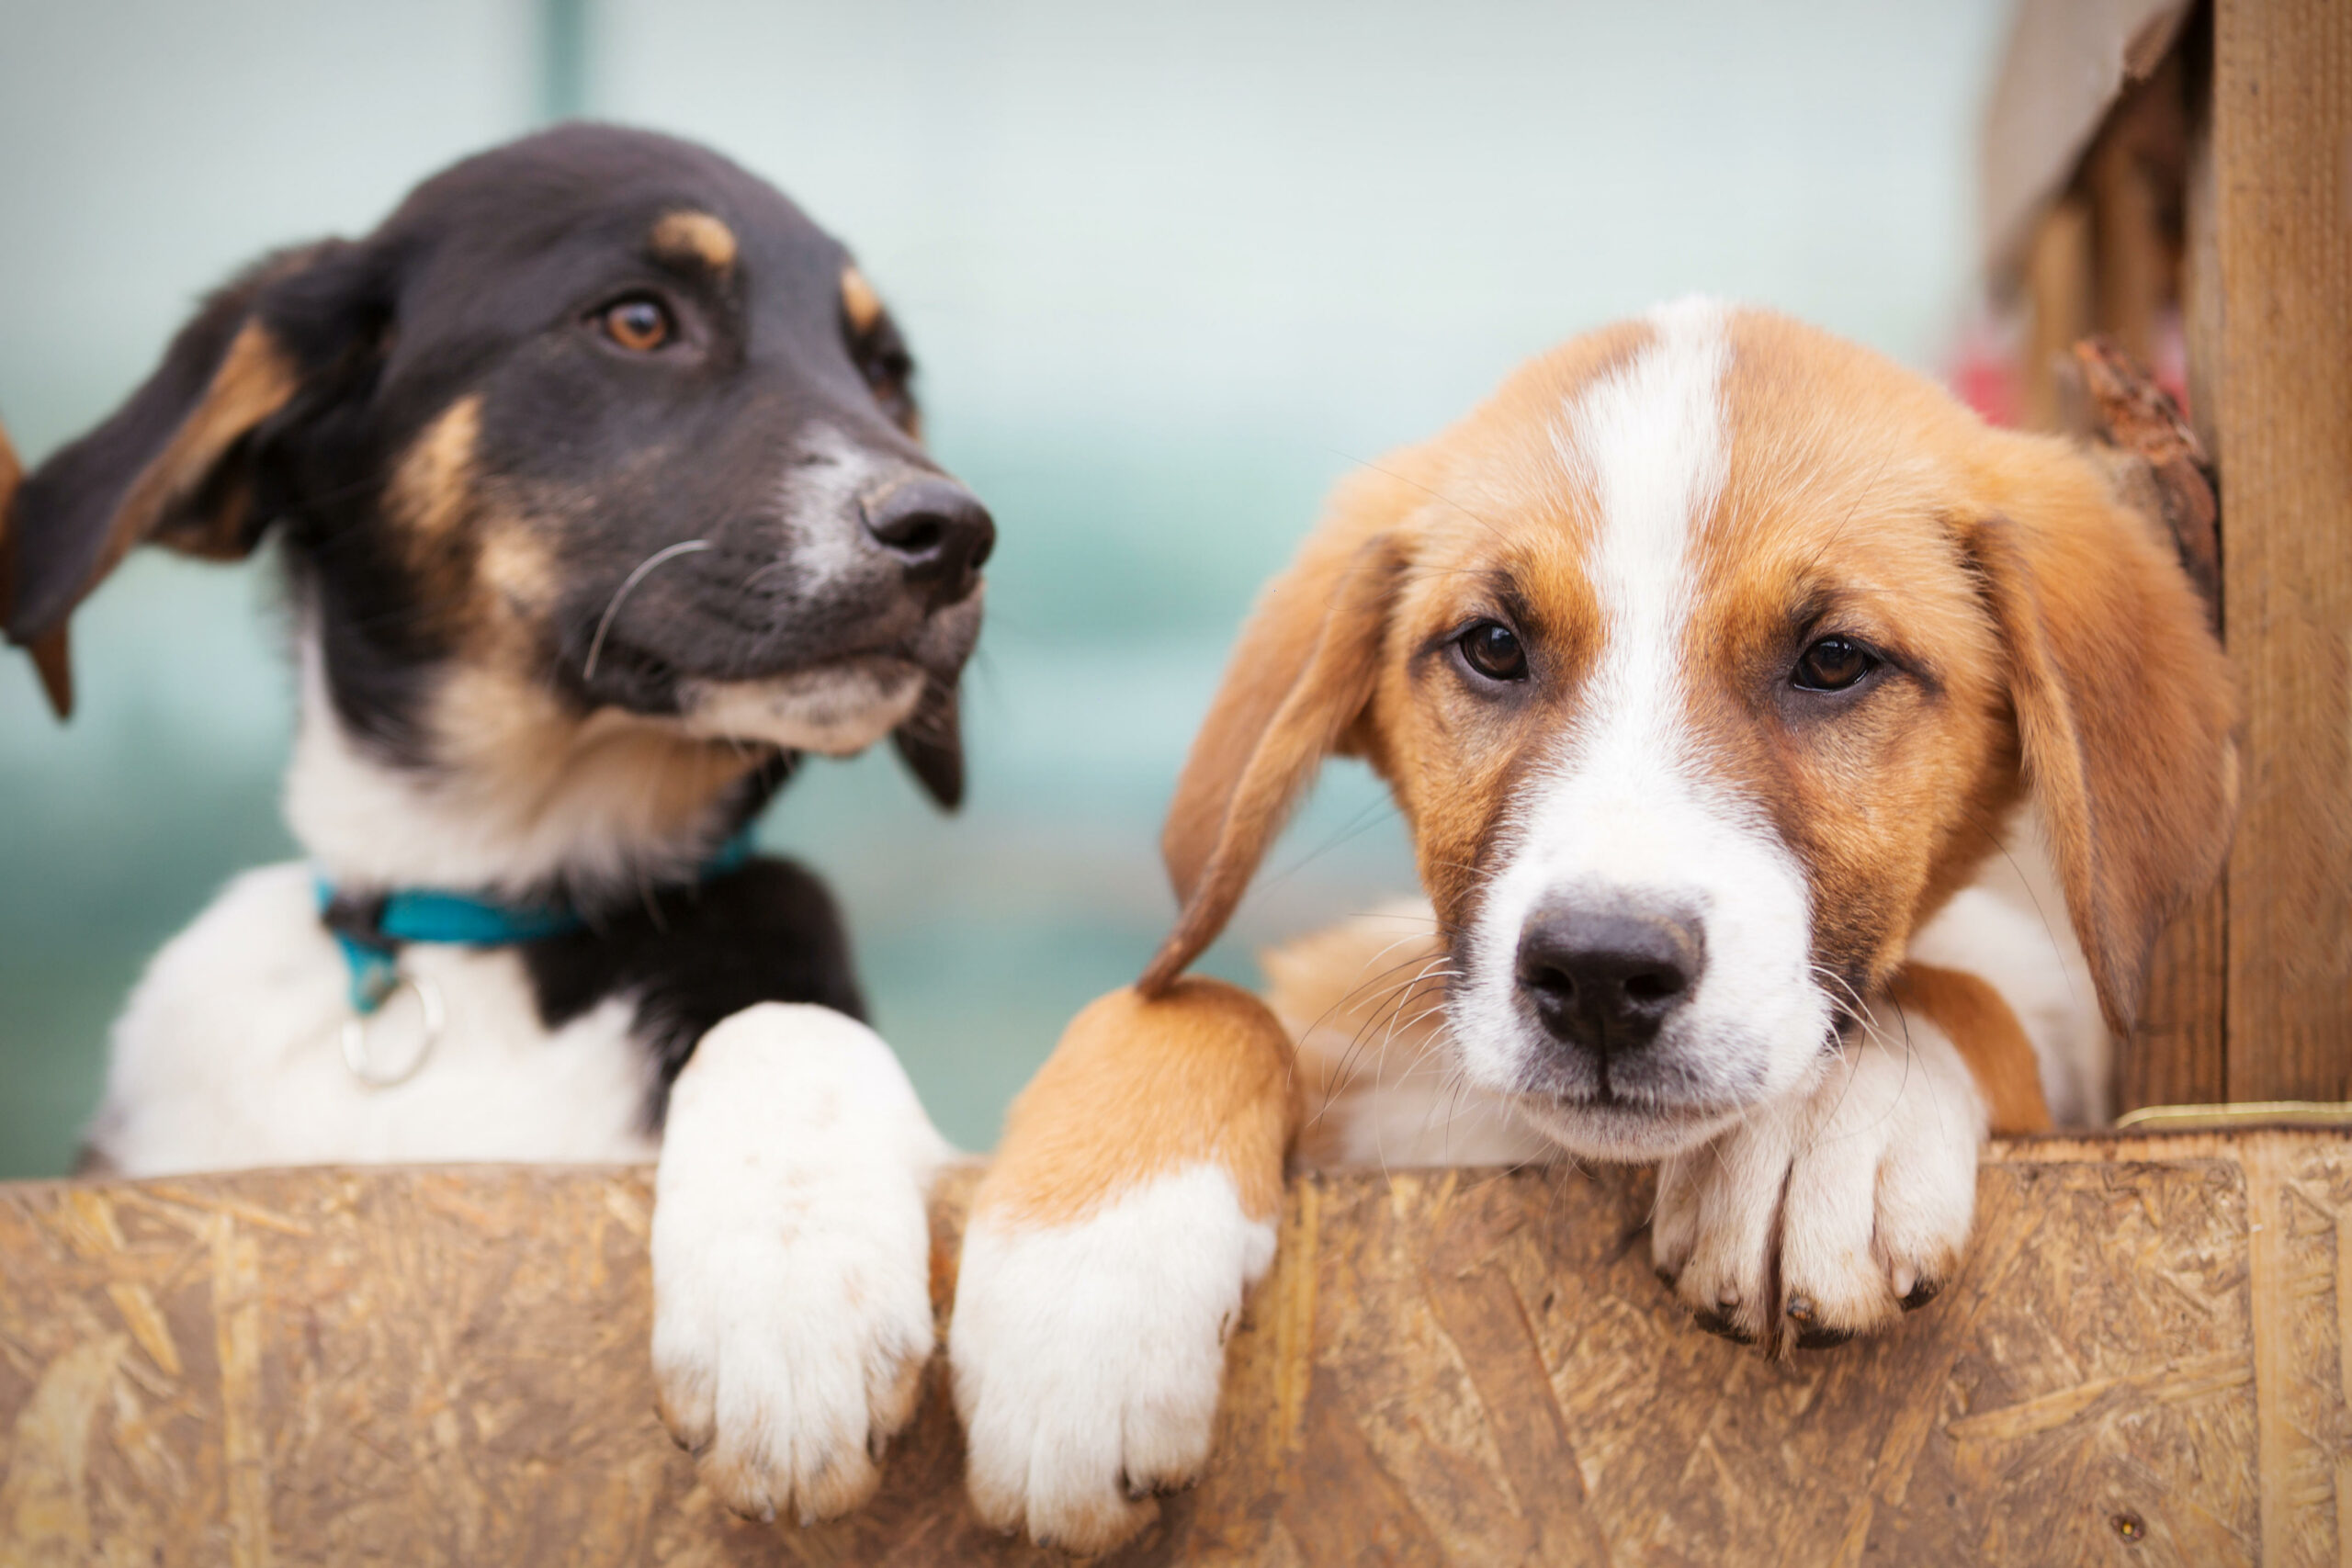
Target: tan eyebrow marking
point(858, 299)
point(432, 486)
point(695, 236)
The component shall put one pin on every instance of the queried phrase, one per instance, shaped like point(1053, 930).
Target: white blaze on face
point(1624, 810)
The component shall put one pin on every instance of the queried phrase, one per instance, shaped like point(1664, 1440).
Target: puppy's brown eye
point(638, 324)
point(1833, 664)
point(1493, 649)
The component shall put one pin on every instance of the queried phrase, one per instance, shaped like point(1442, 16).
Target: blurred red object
point(1987, 370)
point(1983, 371)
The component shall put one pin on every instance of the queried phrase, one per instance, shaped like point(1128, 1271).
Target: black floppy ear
point(176, 465)
point(931, 742)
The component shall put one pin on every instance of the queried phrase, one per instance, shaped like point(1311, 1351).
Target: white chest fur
point(229, 1055)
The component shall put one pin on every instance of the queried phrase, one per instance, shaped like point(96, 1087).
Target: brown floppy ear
point(2126, 713)
point(172, 465)
point(1298, 683)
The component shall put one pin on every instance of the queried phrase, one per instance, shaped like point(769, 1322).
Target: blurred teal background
point(1169, 271)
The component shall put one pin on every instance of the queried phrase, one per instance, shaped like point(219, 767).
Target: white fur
point(791, 1247)
point(836, 709)
point(827, 489)
point(594, 822)
point(1088, 1355)
point(228, 1055)
point(1626, 810)
point(2011, 929)
point(792, 1259)
point(1863, 1188)
point(1391, 1092)
point(1419, 1116)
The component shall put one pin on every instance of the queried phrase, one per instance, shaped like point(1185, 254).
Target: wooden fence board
point(2144, 1360)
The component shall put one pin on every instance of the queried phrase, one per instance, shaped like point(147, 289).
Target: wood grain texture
point(448, 1366)
point(2283, 154)
point(2176, 1054)
point(2179, 1054)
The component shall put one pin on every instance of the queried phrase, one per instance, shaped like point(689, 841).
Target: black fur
point(485, 284)
point(305, 388)
point(692, 956)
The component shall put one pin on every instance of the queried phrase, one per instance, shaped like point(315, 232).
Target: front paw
point(1834, 1212)
point(1087, 1354)
point(791, 1262)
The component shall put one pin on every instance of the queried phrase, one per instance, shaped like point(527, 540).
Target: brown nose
point(939, 532)
point(1606, 976)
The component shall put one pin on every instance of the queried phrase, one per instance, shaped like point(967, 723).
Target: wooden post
point(2179, 1056)
point(2283, 215)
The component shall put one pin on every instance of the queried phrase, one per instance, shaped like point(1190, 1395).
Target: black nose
point(1605, 975)
point(940, 532)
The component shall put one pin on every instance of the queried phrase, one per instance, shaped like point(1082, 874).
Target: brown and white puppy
point(1708, 663)
point(595, 476)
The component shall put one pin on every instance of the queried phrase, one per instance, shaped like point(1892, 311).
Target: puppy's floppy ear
point(176, 465)
point(931, 743)
point(12, 474)
point(2126, 709)
point(1298, 684)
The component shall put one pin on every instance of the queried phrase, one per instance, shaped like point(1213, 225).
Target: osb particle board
point(2143, 1361)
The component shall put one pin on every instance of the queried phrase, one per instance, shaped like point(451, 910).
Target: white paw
point(792, 1259)
point(1832, 1212)
point(1088, 1355)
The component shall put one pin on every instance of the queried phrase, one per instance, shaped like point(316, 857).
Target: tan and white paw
point(1835, 1211)
point(1088, 1355)
point(791, 1251)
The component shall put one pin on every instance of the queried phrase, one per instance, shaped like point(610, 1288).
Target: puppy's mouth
point(836, 702)
point(837, 707)
point(1642, 1105)
point(1605, 1125)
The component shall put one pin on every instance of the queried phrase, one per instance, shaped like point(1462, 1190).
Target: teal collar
point(371, 930)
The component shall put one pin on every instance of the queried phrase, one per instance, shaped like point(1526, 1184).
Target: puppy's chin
point(1618, 1133)
point(838, 709)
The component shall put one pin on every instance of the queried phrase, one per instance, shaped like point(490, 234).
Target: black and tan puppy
point(595, 476)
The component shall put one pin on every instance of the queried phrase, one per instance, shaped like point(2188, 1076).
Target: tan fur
point(1200, 1073)
point(432, 490)
point(696, 237)
point(12, 474)
point(1257, 765)
point(859, 302)
point(2126, 712)
point(530, 756)
point(2057, 647)
point(1988, 1037)
point(2047, 643)
point(485, 564)
point(255, 380)
point(516, 568)
point(432, 502)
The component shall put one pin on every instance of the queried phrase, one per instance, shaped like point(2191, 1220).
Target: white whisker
point(605, 622)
